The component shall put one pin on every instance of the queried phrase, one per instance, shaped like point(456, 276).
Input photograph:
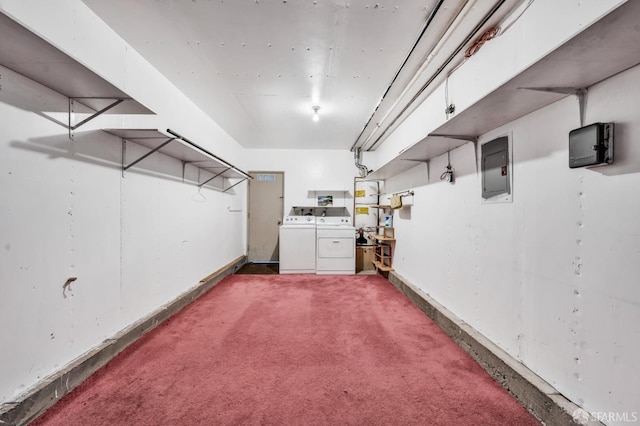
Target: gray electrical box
point(495, 168)
point(591, 145)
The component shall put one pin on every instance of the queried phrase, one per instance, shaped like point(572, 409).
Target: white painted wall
point(552, 277)
point(133, 242)
point(329, 171)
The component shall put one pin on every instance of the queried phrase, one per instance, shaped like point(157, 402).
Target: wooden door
point(266, 197)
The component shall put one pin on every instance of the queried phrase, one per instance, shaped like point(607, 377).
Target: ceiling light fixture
point(316, 116)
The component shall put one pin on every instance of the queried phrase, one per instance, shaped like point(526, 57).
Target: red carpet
point(293, 350)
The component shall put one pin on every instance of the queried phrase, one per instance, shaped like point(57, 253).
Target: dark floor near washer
point(259, 269)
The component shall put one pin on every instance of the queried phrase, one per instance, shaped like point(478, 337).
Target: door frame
point(256, 172)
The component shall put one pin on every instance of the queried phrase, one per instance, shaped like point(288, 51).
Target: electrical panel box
point(495, 168)
point(591, 145)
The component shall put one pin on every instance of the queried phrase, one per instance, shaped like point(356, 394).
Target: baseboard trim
point(48, 391)
point(535, 394)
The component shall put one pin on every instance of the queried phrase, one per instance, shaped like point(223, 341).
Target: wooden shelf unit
point(382, 268)
point(385, 243)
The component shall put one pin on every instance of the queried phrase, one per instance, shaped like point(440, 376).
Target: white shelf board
point(602, 50)
point(33, 57)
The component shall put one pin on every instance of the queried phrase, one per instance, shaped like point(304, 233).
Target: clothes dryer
point(336, 245)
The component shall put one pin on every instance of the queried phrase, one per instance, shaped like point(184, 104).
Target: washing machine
point(298, 245)
point(336, 245)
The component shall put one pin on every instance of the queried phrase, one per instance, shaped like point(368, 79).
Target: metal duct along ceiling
point(437, 53)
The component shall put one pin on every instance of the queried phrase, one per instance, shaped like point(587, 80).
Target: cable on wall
point(499, 29)
point(488, 35)
point(449, 108)
point(437, 73)
point(448, 175)
point(503, 26)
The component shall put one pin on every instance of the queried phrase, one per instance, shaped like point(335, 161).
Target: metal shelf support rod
point(581, 94)
point(237, 183)
point(147, 154)
point(210, 179)
point(94, 115)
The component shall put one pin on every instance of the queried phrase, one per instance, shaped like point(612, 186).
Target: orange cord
point(488, 35)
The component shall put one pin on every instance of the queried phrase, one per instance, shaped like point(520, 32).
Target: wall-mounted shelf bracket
point(459, 137)
point(473, 139)
point(200, 185)
point(420, 161)
point(124, 142)
point(72, 127)
point(237, 183)
point(475, 151)
point(580, 93)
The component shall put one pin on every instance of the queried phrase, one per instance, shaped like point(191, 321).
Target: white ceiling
point(257, 67)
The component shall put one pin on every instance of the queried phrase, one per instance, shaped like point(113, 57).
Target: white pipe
point(364, 171)
point(514, 14)
point(434, 52)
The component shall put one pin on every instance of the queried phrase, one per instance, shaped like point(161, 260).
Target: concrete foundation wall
point(49, 390)
point(538, 396)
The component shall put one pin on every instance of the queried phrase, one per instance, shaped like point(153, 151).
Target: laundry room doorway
point(265, 213)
